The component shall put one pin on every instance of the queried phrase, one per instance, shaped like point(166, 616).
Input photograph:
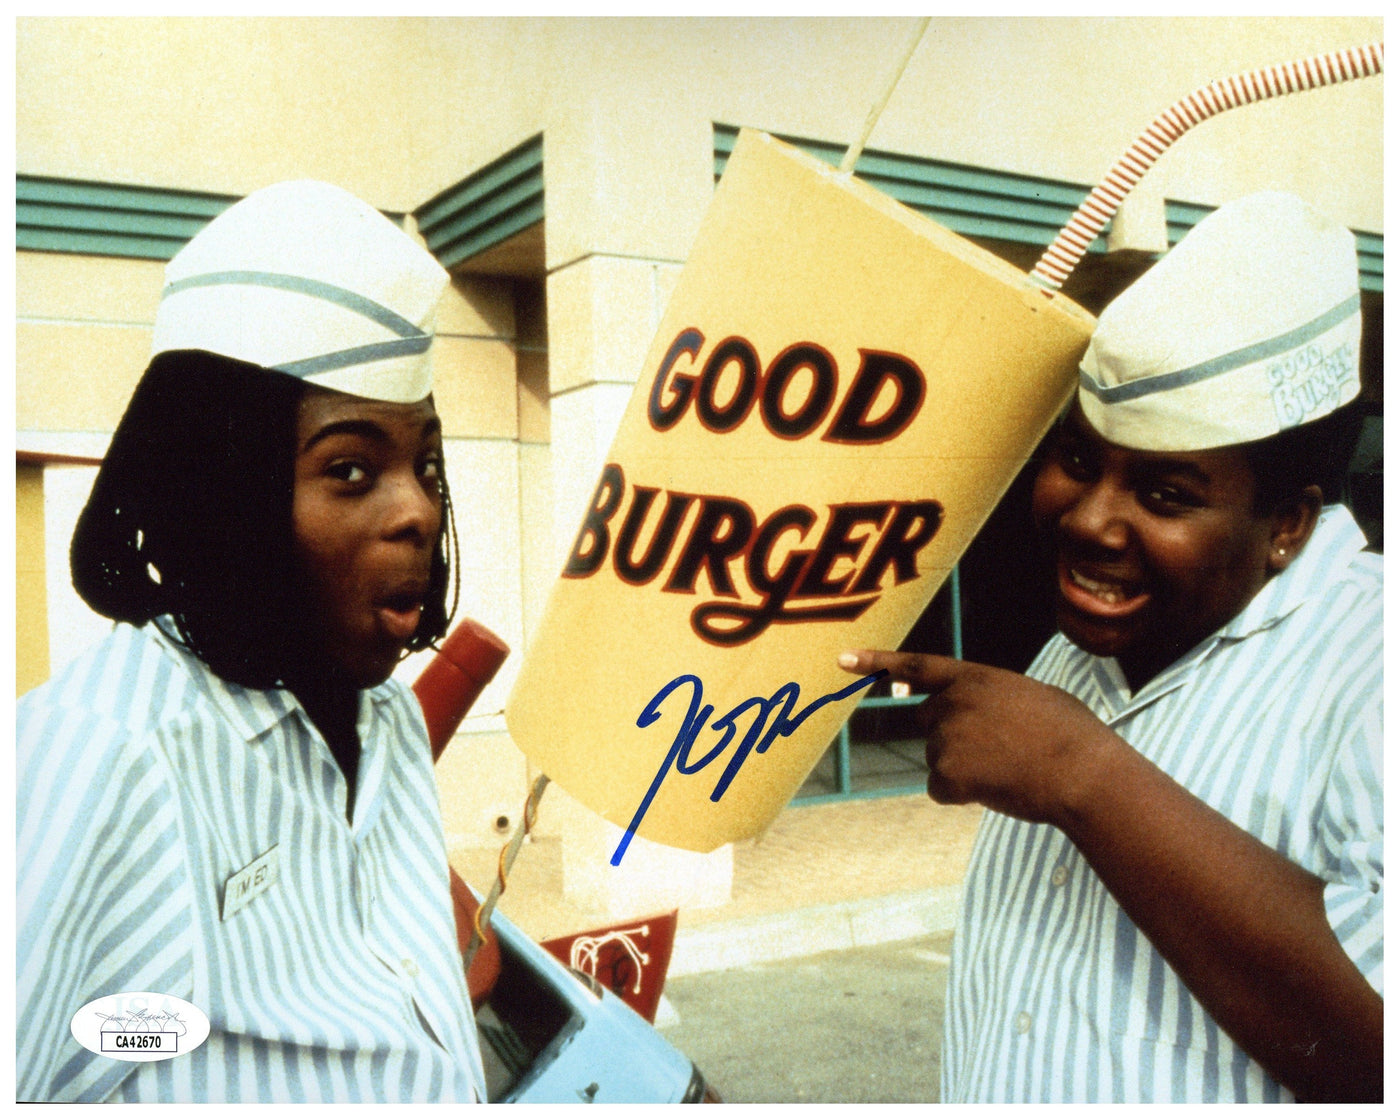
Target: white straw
point(853, 152)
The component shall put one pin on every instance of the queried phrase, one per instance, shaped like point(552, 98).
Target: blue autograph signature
point(759, 736)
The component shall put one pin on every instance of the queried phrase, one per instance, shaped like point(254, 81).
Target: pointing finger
point(923, 671)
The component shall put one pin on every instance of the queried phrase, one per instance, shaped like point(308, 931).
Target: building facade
point(560, 168)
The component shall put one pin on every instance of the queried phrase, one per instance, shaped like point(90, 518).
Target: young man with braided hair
point(230, 801)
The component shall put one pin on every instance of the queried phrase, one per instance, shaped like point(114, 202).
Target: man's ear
point(1292, 523)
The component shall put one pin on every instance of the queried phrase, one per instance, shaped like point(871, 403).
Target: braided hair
point(190, 519)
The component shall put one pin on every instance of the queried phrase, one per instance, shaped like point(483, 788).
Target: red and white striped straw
point(1098, 209)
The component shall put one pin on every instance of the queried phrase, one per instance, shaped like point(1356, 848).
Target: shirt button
point(410, 967)
point(1060, 876)
point(1023, 1022)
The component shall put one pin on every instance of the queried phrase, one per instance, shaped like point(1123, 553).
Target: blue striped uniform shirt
point(145, 782)
point(1275, 721)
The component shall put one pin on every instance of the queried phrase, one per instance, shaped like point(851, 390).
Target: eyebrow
point(1076, 427)
point(365, 429)
point(1165, 466)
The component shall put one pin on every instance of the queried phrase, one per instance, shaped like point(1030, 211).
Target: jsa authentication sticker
point(140, 1026)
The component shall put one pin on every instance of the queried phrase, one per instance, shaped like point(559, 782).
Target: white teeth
point(1108, 592)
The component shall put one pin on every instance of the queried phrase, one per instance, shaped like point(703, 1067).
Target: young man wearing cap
point(229, 801)
point(1177, 893)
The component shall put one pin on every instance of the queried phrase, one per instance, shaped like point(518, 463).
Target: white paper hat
point(304, 278)
point(1250, 325)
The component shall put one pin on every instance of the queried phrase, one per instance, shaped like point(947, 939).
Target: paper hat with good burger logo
point(304, 278)
point(1249, 326)
point(838, 394)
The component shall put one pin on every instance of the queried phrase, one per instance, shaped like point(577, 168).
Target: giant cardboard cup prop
point(838, 395)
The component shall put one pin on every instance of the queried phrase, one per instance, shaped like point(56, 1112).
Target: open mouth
point(400, 613)
point(1100, 593)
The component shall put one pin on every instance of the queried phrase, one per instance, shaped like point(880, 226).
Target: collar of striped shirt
point(252, 712)
point(1334, 544)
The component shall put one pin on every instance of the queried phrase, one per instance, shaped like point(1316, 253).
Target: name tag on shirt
point(244, 886)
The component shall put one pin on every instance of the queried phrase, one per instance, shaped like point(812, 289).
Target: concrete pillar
point(31, 607)
point(620, 217)
point(482, 778)
point(1140, 223)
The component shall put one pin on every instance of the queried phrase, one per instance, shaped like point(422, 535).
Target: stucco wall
point(397, 110)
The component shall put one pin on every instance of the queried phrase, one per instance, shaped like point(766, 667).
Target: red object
point(629, 958)
point(449, 686)
point(446, 690)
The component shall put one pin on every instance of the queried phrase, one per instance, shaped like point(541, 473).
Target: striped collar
point(1335, 542)
point(252, 712)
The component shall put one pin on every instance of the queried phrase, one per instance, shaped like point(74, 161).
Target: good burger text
point(790, 564)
